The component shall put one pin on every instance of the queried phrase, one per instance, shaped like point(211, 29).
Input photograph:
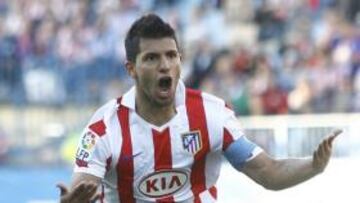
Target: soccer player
point(162, 142)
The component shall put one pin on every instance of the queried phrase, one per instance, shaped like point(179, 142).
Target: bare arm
point(83, 189)
point(283, 173)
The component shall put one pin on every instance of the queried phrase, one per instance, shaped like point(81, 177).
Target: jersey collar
point(128, 99)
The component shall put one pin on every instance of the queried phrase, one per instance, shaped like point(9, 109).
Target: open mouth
point(165, 83)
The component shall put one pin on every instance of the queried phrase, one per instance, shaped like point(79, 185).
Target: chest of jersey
point(177, 160)
point(171, 147)
point(162, 158)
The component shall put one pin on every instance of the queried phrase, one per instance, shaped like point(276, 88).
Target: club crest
point(192, 141)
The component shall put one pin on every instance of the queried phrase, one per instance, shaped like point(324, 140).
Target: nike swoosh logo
point(127, 158)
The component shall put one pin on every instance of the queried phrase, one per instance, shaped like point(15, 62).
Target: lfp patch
point(85, 149)
point(192, 141)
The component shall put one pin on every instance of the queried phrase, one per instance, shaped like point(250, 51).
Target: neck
point(154, 113)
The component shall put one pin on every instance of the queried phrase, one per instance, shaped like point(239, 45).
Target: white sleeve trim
point(256, 151)
point(91, 171)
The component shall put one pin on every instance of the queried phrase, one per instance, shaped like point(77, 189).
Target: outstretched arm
point(83, 189)
point(283, 173)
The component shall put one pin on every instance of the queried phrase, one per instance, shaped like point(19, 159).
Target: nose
point(164, 64)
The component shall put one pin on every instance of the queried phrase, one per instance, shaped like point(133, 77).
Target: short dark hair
point(148, 26)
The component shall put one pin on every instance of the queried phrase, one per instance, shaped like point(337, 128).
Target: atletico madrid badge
point(192, 141)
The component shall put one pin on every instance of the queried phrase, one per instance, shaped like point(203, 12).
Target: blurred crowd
point(261, 56)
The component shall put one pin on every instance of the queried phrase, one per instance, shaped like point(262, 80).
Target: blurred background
point(289, 69)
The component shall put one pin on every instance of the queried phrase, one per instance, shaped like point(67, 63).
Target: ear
point(130, 68)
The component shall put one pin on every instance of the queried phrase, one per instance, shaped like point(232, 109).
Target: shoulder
point(208, 99)
point(98, 121)
point(106, 108)
point(215, 109)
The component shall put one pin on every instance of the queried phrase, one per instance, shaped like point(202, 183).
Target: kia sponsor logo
point(162, 183)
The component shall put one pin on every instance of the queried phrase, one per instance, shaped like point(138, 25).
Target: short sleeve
point(232, 129)
point(93, 151)
point(236, 147)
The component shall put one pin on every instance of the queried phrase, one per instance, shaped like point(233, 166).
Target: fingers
point(316, 157)
point(63, 189)
point(337, 131)
point(327, 142)
point(84, 192)
point(91, 191)
point(324, 149)
point(321, 155)
point(333, 135)
point(78, 191)
point(96, 197)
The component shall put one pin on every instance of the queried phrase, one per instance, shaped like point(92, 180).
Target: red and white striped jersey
point(140, 162)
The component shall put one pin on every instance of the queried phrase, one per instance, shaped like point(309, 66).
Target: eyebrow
point(172, 50)
point(151, 54)
point(156, 53)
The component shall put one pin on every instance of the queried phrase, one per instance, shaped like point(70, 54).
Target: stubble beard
point(148, 98)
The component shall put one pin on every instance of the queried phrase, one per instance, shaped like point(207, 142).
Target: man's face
point(157, 70)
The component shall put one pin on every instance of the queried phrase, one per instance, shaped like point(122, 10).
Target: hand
point(83, 192)
point(322, 154)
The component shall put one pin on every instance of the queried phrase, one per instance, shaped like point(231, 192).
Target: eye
point(150, 57)
point(172, 54)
